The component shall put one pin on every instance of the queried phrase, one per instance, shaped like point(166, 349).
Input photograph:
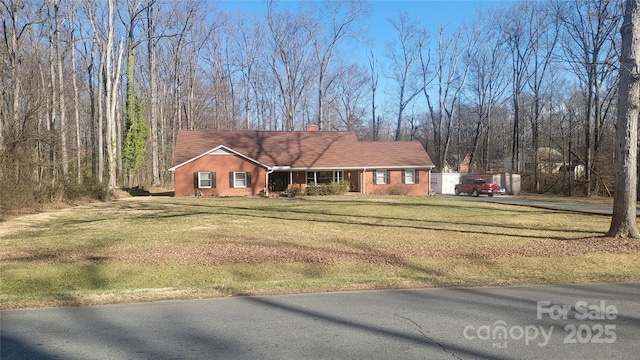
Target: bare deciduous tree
point(623, 221)
point(590, 28)
point(487, 86)
point(110, 45)
point(449, 78)
point(338, 21)
point(350, 95)
point(404, 54)
point(373, 82)
point(514, 29)
point(289, 60)
point(542, 36)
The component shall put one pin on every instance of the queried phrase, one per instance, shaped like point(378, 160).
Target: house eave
point(319, 168)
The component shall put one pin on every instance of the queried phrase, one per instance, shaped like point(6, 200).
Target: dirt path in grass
point(13, 225)
point(18, 223)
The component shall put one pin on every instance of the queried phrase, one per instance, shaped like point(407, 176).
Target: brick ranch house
point(248, 163)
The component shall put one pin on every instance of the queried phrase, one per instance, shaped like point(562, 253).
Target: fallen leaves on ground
point(225, 252)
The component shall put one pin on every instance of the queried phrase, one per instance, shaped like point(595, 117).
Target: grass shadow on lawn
point(383, 221)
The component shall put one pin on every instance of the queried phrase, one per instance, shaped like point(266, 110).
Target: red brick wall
point(221, 165)
point(396, 185)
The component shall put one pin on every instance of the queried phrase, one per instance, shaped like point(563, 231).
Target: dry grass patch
point(142, 249)
point(589, 200)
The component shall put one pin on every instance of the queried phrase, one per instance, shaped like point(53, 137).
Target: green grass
point(144, 249)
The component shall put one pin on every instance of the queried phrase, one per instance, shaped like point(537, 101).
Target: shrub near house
point(333, 188)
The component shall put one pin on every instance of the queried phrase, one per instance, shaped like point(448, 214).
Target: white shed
point(444, 183)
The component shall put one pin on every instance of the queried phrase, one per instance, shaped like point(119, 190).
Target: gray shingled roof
point(301, 149)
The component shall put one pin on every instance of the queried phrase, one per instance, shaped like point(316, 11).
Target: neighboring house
point(453, 164)
point(247, 163)
point(576, 170)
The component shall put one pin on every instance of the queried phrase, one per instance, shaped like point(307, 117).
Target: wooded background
point(92, 93)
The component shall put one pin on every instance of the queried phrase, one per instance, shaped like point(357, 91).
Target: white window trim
point(412, 178)
point(236, 178)
point(315, 180)
point(200, 179)
point(384, 177)
point(336, 176)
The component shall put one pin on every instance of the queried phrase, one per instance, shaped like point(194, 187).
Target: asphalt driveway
point(562, 206)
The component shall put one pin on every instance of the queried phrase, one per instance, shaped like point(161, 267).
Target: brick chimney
point(313, 127)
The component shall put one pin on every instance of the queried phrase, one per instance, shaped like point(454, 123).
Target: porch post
point(363, 178)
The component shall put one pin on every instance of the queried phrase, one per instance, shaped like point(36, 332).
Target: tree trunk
point(515, 145)
point(100, 122)
point(623, 221)
point(64, 158)
point(76, 101)
point(153, 119)
point(53, 113)
point(113, 59)
point(373, 65)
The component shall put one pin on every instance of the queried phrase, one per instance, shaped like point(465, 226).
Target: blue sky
point(430, 13)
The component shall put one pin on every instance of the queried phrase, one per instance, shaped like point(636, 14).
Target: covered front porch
point(381, 181)
point(280, 180)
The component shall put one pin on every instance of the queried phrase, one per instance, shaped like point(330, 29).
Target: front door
point(278, 181)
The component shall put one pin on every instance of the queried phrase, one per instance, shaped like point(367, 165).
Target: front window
point(239, 179)
point(323, 177)
point(409, 176)
point(205, 180)
point(381, 177)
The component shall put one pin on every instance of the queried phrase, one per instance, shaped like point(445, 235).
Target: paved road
point(450, 323)
point(564, 206)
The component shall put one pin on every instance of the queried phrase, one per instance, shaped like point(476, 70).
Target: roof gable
point(218, 150)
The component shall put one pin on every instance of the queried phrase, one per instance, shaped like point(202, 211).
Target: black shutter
point(196, 183)
point(416, 178)
point(375, 179)
point(248, 179)
point(231, 185)
point(388, 177)
point(403, 174)
point(213, 179)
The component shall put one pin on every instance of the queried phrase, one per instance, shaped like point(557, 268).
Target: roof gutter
point(320, 168)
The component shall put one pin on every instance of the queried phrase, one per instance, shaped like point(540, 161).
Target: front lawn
point(153, 248)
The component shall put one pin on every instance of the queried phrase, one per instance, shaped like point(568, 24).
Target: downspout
point(266, 190)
